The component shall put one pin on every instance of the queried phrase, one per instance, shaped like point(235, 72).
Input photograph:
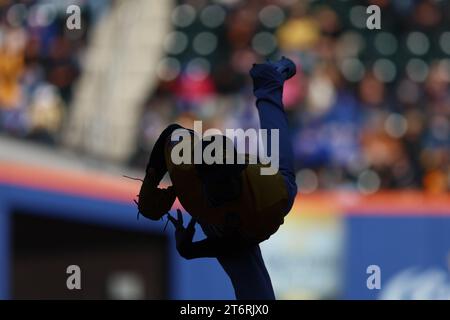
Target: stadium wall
point(322, 251)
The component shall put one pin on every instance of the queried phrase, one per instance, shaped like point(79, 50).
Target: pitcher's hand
point(183, 236)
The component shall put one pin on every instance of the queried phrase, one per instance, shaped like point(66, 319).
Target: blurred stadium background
point(370, 117)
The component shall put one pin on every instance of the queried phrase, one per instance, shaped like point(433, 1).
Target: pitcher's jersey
point(260, 208)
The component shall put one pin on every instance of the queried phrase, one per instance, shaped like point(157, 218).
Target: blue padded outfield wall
point(327, 258)
point(413, 253)
point(202, 279)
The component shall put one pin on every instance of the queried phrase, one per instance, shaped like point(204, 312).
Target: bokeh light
point(418, 43)
point(271, 16)
point(444, 41)
point(168, 69)
point(198, 69)
point(176, 42)
point(384, 70)
point(41, 15)
point(417, 70)
point(17, 14)
point(183, 15)
point(368, 182)
point(386, 43)
point(307, 181)
point(396, 125)
point(205, 43)
point(358, 16)
point(213, 16)
point(264, 43)
point(352, 69)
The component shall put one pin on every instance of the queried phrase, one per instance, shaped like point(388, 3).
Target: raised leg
point(268, 89)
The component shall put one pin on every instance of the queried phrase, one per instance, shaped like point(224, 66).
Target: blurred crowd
point(39, 63)
point(369, 109)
